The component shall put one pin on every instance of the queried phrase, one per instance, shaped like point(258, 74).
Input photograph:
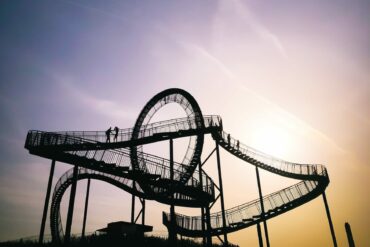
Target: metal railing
point(250, 211)
point(273, 162)
point(153, 165)
point(80, 137)
point(62, 184)
point(274, 203)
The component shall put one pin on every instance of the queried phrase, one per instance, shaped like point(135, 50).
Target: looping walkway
point(124, 164)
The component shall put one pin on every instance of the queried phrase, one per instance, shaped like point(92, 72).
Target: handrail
point(60, 187)
point(315, 175)
point(250, 211)
point(172, 125)
point(245, 214)
point(271, 161)
point(39, 138)
point(121, 157)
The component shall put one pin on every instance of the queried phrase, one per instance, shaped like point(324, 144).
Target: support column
point(262, 208)
point(208, 221)
point(86, 206)
point(46, 204)
point(72, 196)
point(133, 204)
point(329, 219)
point(172, 233)
point(143, 212)
point(221, 194)
point(202, 208)
point(351, 242)
point(260, 241)
point(204, 238)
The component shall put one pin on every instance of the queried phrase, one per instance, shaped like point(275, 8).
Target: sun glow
point(272, 140)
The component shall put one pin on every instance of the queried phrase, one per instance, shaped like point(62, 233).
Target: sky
point(289, 78)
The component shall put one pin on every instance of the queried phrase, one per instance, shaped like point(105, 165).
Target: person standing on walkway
point(107, 133)
point(116, 129)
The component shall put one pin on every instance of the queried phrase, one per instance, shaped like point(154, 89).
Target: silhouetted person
point(116, 133)
point(189, 121)
point(314, 170)
point(228, 139)
point(219, 125)
point(237, 145)
point(107, 133)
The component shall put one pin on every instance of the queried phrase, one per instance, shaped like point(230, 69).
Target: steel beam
point(133, 204)
point(262, 208)
point(172, 232)
point(226, 243)
point(208, 221)
point(329, 219)
point(202, 208)
point(143, 212)
point(209, 156)
point(204, 238)
point(259, 233)
point(86, 206)
point(46, 204)
point(351, 242)
point(72, 196)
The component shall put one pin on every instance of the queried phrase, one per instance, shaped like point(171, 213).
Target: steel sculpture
point(124, 164)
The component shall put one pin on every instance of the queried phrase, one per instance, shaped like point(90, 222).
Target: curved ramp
point(122, 162)
point(315, 181)
point(192, 110)
point(66, 180)
point(118, 163)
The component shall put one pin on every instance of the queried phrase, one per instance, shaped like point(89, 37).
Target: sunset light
point(110, 108)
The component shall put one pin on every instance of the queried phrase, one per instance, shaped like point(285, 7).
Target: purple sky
point(290, 78)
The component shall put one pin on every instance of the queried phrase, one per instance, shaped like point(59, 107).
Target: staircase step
point(270, 212)
point(247, 220)
point(123, 168)
point(236, 224)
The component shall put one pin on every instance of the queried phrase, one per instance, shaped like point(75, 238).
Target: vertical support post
point(351, 242)
point(221, 194)
point(329, 219)
point(172, 233)
point(208, 221)
point(86, 206)
point(260, 241)
point(71, 204)
point(133, 204)
point(143, 212)
point(204, 238)
point(262, 208)
point(202, 208)
point(46, 204)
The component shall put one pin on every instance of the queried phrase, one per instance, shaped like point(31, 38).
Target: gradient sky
point(290, 78)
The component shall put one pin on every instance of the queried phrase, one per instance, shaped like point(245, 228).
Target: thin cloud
point(240, 11)
point(197, 49)
point(291, 122)
point(98, 105)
